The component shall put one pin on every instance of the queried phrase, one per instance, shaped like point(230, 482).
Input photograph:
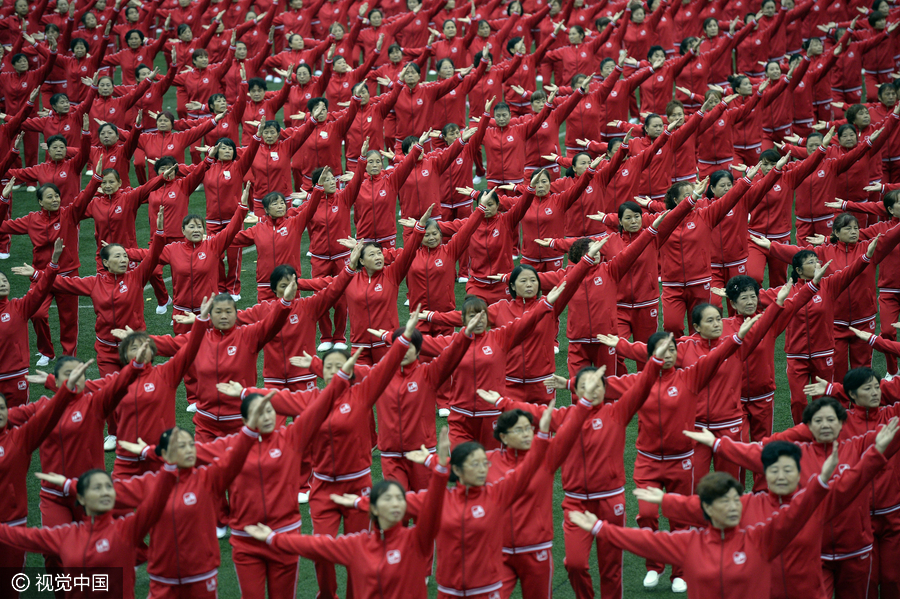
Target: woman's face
point(863, 119)
point(502, 117)
point(90, 21)
point(889, 96)
point(181, 451)
point(331, 364)
point(390, 508)
point(194, 231)
point(773, 71)
point(376, 18)
point(99, 495)
point(527, 285)
point(581, 164)
point(225, 153)
point(449, 30)
point(868, 395)
point(57, 150)
point(328, 182)
point(201, 62)
point(66, 371)
point(446, 70)
point(105, 87)
point(746, 303)
point(537, 104)
point(266, 422)
point(374, 164)
point(186, 35)
point(808, 269)
point(219, 105)
point(21, 65)
point(520, 436)
point(340, 65)
point(223, 315)
point(270, 135)
point(848, 233)
point(4, 411)
point(412, 77)
point(657, 55)
point(240, 51)
point(373, 259)
point(4, 292)
point(21, 8)
point(490, 205)
point(473, 472)
point(825, 425)
point(783, 476)
point(654, 127)
point(637, 16)
point(163, 123)
point(362, 92)
point(484, 30)
point(110, 184)
point(768, 9)
point(395, 56)
point(815, 47)
point(725, 511)
point(631, 221)
point(542, 185)
point(433, 237)
point(481, 326)
point(745, 88)
point(337, 30)
point(277, 208)
point(575, 36)
point(722, 187)
point(117, 262)
point(670, 356)
point(50, 200)
point(134, 41)
point(710, 326)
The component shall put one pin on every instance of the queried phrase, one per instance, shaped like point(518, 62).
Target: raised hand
point(583, 520)
point(650, 495)
point(817, 388)
point(546, 417)
point(135, 448)
point(77, 373)
point(492, 397)
point(886, 435)
point(703, 436)
point(231, 388)
point(304, 361)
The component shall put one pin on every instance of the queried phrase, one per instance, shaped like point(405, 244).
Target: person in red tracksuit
point(277, 237)
point(57, 169)
point(117, 296)
point(298, 335)
point(329, 223)
point(194, 260)
point(685, 258)
point(856, 306)
point(846, 541)
point(254, 103)
point(665, 456)
point(264, 490)
point(228, 352)
point(865, 392)
point(165, 141)
point(387, 562)
point(19, 443)
point(99, 540)
point(64, 118)
point(372, 295)
point(16, 86)
point(724, 558)
point(374, 211)
point(270, 170)
point(798, 570)
point(44, 227)
point(369, 120)
point(76, 444)
point(593, 480)
point(407, 405)
point(323, 148)
point(14, 316)
point(656, 92)
point(135, 51)
point(505, 143)
point(413, 108)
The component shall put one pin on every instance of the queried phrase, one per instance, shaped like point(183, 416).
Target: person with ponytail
point(389, 559)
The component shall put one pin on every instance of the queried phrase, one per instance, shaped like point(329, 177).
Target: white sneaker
point(406, 303)
point(555, 349)
point(539, 78)
point(109, 443)
point(679, 585)
point(163, 308)
point(651, 579)
point(477, 180)
point(302, 497)
point(192, 407)
point(236, 297)
point(888, 377)
point(309, 254)
point(325, 346)
point(340, 345)
point(221, 532)
point(443, 412)
point(462, 280)
point(89, 172)
point(43, 360)
point(4, 256)
point(270, 78)
point(31, 188)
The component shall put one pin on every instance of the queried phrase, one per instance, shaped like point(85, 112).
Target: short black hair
point(774, 450)
point(508, 420)
point(416, 340)
point(824, 402)
point(856, 378)
point(738, 285)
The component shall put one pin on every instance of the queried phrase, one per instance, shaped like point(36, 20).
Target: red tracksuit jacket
point(183, 544)
point(331, 219)
point(374, 210)
point(298, 333)
point(343, 449)
point(227, 355)
point(18, 444)
point(271, 166)
point(505, 146)
point(114, 215)
point(118, 299)
point(491, 244)
point(387, 564)
point(65, 174)
point(797, 572)
point(223, 182)
point(15, 313)
point(100, 541)
point(771, 218)
point(730, 563)
point(372, 300)
point(423, 184)
point(851, 534)
point(175, 196)
point(323, 148)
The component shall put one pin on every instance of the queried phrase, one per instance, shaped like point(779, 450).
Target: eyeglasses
point(521, 430)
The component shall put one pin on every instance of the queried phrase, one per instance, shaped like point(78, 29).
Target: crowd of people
point(646, 164)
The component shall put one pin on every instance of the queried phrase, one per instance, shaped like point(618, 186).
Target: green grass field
point(21, 252)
